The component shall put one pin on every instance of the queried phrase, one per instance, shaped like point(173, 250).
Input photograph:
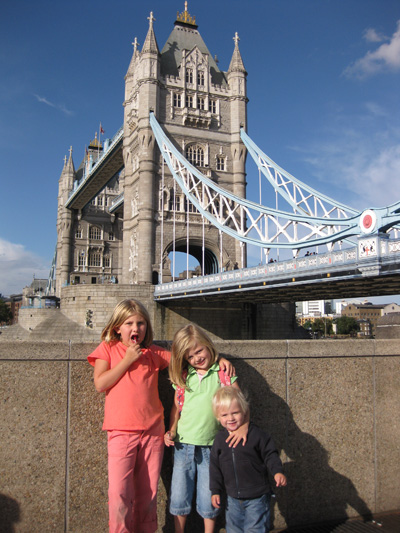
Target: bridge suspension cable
point(316, 220)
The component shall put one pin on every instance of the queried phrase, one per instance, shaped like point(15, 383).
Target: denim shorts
point(251, 516)
point(190, 460)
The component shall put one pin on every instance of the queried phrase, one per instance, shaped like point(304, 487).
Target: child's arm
point(173, 423)
point(105, 377)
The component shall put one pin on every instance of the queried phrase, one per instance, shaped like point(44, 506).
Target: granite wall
point(332, 406)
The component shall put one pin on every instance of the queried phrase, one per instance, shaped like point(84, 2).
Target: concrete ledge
point(332, 407)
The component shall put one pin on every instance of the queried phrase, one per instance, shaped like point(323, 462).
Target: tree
point(5, 312)
point(347, 325)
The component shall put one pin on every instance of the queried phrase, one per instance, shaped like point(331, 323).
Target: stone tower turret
point(64, 223)
point(141, 96)
point(237, 82)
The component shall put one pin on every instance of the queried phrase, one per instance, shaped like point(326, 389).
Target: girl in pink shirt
point(126, 367)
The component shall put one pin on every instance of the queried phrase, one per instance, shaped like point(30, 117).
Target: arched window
point(195, 155)
point(95, 233)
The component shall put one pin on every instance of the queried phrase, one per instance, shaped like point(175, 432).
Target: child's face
point(232, 417)
point(199, 357)
point(133, 330)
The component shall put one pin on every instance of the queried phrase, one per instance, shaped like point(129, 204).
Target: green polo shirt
point(197, 424)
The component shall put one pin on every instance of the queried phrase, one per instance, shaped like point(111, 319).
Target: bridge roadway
point(372, 268)
point(109, 163)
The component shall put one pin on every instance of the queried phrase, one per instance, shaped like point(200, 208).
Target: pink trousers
point(134, 465)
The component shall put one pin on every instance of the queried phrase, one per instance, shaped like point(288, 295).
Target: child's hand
point(216, 501)
point(169, 438)
point(238, 435)
point(133, 353)
point(280, 480)
point(227, 367)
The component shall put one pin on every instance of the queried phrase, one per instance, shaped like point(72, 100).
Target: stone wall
point(220, 320)
point(332, 407)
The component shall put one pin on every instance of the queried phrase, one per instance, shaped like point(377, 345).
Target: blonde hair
point(225, 396)
point(184, 340)
point(122, 311)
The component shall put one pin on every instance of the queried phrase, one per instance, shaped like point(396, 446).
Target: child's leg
point(122, 448)
point(203, 505)
point(234, 515)
point(256, 517)
point(180, 522)
point(146, 476)
point(209, 525)
point(182, 484)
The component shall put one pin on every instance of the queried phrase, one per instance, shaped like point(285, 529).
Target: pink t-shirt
point(133, 403)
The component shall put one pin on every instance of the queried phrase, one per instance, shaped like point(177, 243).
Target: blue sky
point(323, 88)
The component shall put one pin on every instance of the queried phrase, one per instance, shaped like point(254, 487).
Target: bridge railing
point(368, 250)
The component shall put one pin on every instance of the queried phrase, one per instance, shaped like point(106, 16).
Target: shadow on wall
point(9, 514)
point(315, 491)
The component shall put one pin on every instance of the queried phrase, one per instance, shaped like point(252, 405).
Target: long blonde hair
point(184, 340)
point(122, 311)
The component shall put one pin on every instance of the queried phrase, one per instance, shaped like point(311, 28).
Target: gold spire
point(186, 17)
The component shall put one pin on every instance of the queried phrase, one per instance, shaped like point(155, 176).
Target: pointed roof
point(69, 165)
point(150, 43)
point(236, 64)
point(185, 36)
point(135, 56)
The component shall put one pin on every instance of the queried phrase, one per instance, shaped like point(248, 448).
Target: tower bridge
point(173, 179)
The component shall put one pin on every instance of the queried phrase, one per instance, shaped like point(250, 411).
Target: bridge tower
point(201, 108)
point(64, 223)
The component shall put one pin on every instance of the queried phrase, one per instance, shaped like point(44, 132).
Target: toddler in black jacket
point(241, 472)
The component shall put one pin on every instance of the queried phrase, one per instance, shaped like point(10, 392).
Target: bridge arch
point(211, 258)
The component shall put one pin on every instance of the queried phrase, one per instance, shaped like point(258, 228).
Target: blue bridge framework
point(362, 255)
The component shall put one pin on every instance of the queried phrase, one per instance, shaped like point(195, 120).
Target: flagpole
point(98, 146)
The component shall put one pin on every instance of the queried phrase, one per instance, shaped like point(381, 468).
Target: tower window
point(95, 233)
point(78, 233)
point(81, 260)
point(177, 202)
point(220, 163)
point(189, 75)
point(94, 259)
point(111, 236)
point(189, 100)
point(200, 77)
point(213, 106)
point(195, 155)
point(177, 100)
point(201, 103)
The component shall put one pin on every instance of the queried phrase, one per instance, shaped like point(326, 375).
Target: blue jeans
point(248, 516)
point(190, 460)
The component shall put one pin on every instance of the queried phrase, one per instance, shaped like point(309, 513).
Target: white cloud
point(384, 58)
point(60, 107)
point(361, 166)
point(18, 266)
point(372, 36)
